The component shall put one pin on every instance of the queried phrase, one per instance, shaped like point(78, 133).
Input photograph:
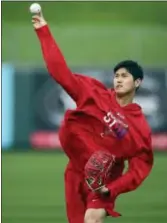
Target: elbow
point(141, 175)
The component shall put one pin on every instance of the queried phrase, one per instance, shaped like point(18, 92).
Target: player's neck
point(125, 99)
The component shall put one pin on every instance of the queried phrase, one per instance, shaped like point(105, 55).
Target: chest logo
point(115, 125)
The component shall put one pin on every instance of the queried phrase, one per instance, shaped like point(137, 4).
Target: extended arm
point(55, 61)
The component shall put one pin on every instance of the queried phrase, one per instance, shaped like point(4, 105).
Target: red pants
point(79, 198)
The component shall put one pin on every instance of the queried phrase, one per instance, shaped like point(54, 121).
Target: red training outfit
point(98, 122)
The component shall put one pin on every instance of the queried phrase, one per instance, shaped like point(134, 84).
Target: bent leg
point(75, 205)
point(98, 208)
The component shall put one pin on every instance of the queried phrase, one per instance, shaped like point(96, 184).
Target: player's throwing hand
point(37, 18)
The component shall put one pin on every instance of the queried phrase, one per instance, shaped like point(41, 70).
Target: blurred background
point(93, 36)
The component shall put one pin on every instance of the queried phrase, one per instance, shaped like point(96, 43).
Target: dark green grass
point(33, 191)
point(90, 12)
point(89, 33)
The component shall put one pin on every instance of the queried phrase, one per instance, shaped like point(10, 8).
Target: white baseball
point(35, 8)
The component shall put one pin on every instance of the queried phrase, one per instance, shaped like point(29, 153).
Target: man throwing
point(105, 130)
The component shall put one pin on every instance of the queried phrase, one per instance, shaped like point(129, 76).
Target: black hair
point(132, 67)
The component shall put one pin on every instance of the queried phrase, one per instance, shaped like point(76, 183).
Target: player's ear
point(138, 82)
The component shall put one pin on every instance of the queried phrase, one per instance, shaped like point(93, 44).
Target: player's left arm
point(139, 168)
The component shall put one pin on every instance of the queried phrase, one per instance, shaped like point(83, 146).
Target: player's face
point(124, 82)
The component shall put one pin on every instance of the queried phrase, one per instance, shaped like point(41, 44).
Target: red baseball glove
point(98, 168)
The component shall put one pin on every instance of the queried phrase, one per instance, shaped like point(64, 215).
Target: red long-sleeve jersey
point(99, 122)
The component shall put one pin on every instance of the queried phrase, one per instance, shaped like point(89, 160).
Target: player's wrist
point(41, 26)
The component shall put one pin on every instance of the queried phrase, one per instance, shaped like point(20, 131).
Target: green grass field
point(89, 33)
point(33, 191)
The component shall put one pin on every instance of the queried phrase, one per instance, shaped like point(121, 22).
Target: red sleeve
point(56, 64)
point(139, 169)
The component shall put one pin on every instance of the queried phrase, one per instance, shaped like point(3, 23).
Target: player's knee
point(94, 216)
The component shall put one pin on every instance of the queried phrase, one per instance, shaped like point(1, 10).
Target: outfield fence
point(33, 105)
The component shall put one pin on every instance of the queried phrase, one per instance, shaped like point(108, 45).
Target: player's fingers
point(36, 20)
point(36, 17)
